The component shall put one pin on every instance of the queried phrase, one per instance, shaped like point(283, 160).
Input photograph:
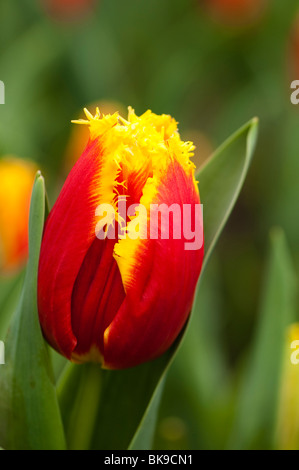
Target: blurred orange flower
point(236, 12)
point(16, 181)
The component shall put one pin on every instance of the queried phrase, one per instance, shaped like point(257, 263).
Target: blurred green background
point(212, 72)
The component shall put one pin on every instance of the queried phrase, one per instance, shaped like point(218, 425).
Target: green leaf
point(29, 413)
point(221, 179)
point(257, 404)
point(10, 290)
point(129, 398)
point(199, 367)
point(144, 436)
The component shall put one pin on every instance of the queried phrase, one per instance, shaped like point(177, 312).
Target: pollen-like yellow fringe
point(133, 145)
point(136, 140)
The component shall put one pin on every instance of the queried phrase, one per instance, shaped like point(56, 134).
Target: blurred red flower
point(235, 12)
point(68, 9)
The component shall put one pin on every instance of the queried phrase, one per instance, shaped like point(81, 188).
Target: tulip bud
point(116, 276)
point(16, 181)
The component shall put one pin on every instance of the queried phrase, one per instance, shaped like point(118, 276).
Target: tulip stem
point(79, 394)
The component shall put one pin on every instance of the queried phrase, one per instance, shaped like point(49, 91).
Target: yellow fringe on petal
point(134, 145)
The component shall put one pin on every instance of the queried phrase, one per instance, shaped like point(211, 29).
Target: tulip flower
point(16, 181)
point(117, 287)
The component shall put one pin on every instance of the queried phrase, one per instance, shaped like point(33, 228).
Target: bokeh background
point(213, 65)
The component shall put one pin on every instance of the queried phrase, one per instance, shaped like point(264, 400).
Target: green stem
point(79, 392)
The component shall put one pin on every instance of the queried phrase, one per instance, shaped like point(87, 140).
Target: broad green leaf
point(200, 374)
point(128, 400)
point(257, 404)
point(126, 397)
point(144, 436)
point(29, 413)
point(10, 290)
point(221, 179)
point(118, 398)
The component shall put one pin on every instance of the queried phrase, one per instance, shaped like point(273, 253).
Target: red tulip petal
point(160, 282)
point(97, 295)
point(68, 235)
